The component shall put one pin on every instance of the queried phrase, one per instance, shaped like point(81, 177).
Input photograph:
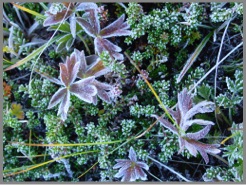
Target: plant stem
point(170, 169)
point(86, 46)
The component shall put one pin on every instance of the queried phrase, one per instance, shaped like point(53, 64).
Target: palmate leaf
point(103, 91)
point(84, 89)
point(56, 18)
point(116, 29)
point(185, 111)
point(131, 170)
point(57, 97)
point(87, 27)
point(103, 44)
point(95, 69)
point(92, 28)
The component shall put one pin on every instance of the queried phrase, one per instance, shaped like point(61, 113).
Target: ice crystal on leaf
point(131, 170)
point(83, 89)
point(93, 66)
point(91, 25)
point(182, 116)
point(59, 11)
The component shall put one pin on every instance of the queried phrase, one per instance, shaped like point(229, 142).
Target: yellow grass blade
point(71, 145)
point(50, 161)
point(30, 11)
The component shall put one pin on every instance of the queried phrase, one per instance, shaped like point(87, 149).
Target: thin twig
point(154, 176)
point(216, 70)
point(170, 169)
point(222, 60)
point(46, 47)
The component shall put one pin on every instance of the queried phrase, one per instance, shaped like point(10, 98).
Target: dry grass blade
point(170, 169)
point(31, 56)
point(29, 11)
point(194, 56)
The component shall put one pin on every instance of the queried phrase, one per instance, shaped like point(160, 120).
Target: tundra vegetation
point(123, 92)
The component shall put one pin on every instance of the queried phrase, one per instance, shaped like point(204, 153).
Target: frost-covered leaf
point(201, 107)
point(64, 106)
point(87, 27)
point(104, 44)
point(166, 124)
point(86, 6)
point(72, 21)
point(56, 18)
point(57, 97)
point(131, 170)
point(117, 28)
point(200, 134)
point(237, 85)
point(84, 89)
point(90, 66)
point(65, 41)
point(69, 70)
point(97, 68)
point(185, 111)
point(103, 90)
point(223, 100)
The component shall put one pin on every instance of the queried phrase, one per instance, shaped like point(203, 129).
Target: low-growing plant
point(75, 109)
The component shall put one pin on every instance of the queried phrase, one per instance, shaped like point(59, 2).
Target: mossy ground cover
point(123, 92)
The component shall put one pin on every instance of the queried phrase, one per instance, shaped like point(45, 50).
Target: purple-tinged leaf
point(166, 124)
point(197, 121)
point(101, 85)
point(140, 174)
point(57, 97)
point(73, 67)
point(97, 69)
point(204, 155)
point(121, 163)
point(175, 114)
point(72, 20)
point(64, 74)
point(50, 78)
point(103, 95)
point(103, 44)
point(130, 170)
point(191, 148)
point(142, 165)
point(82, 61)
point(184, 102)
point(87, 27)
point(201, 107)
point(56, 18)
point(94, 100)
point(69, 70)
point(94, 21)
point(132, 155)
point(204, 149)
point(83, 90)
point(64, 106)
point(91, 59)
point(200, 134)
point(86, 6)
point(117, 28)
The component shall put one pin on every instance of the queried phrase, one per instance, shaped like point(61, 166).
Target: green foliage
point(140, 110)
point(234, 95)
point(234, 152)
point(163, 37)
